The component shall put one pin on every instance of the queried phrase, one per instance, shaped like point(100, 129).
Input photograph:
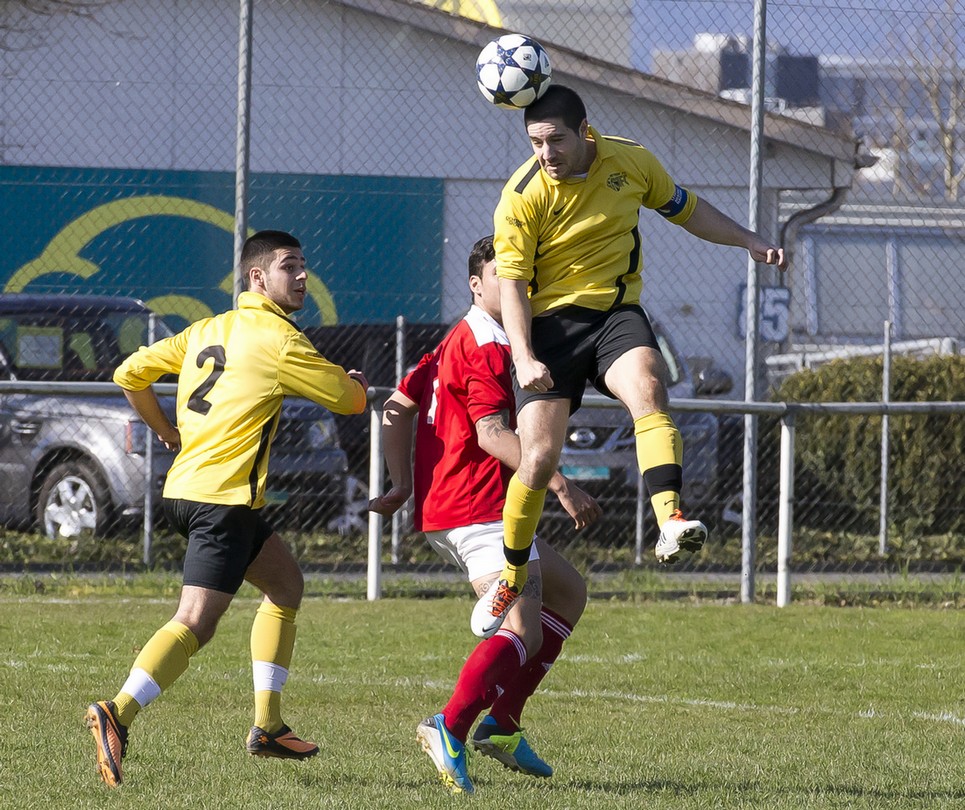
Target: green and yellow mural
point(374, 244)
point(486, 11)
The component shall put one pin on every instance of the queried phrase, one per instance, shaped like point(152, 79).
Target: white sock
point(268, 677)
point(141, 686)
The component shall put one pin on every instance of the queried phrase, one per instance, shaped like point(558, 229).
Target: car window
point(75, 346)
point(132, 330)
point(40, 347)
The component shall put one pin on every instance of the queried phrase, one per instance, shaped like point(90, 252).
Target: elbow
point(347, 406)
point(358, 400)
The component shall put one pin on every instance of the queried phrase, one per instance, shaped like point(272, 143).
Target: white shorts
point(477, 549)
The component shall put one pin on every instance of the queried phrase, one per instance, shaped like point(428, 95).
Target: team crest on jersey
point(617, 180)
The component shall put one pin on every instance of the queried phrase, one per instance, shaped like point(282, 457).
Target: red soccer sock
point(508, 708)
point(494, 663)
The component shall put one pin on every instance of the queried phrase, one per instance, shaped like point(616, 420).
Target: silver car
point(75, 463)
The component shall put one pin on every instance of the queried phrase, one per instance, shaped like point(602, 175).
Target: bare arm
point(501, 442)
point(531, 374)
point(712, 225)
point(498, 439)
point(397, 417)
point(146, 405)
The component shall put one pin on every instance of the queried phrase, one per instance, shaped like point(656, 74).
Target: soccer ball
point(513, 71)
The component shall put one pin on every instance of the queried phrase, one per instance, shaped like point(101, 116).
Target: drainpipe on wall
point(862, 160)
point(794, 223)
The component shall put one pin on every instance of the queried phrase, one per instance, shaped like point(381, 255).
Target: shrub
point(838, 456)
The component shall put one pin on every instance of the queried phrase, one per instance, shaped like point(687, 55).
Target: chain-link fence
point(367, 138)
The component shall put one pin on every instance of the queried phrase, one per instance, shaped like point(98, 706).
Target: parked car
point(372, 348)
point(75, 463)
point(600, 450)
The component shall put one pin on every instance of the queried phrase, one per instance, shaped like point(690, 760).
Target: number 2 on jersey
point(197, 401)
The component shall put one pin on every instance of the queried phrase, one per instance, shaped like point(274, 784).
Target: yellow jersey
point(233, 371)
point(577, 241)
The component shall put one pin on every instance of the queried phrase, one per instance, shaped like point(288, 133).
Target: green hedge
point(838, 457)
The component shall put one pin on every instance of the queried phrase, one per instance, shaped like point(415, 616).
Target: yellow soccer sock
point(272, 644)
point(268, 710)
point(664, 504)
point(660, 455)
point(159, 664)
point(521, 514)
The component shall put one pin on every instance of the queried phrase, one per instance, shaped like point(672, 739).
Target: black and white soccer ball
point(513, 71)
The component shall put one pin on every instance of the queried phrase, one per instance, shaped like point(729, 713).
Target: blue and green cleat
point(510, 749)
point(446, 753)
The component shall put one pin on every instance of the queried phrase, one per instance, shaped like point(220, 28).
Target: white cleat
point(679, 534)
point(492, 607)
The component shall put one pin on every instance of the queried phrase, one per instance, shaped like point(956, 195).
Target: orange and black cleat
point(111, 739)
point(283, 744)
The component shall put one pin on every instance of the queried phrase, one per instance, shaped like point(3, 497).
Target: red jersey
point(467, 377)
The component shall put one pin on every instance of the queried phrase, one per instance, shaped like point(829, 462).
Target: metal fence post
point(399, 374)
point(374, 577)
point(785, 511)
point(638, 557)
point(242, 140)
point(885, 441)
point(149, 467)
point(749, 518)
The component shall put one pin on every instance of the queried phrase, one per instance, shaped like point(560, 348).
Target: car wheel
point(73, 501)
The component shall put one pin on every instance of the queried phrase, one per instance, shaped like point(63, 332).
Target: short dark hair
point(558, 101)
point(259, 249)
point(482, 252)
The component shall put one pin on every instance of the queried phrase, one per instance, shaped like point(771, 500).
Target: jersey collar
point(604, 148)
point(253, 300)
point(479, 321)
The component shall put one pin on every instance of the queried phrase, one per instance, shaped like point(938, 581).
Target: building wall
point(342, 93)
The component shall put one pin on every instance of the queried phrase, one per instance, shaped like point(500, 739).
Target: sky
point(873, 29)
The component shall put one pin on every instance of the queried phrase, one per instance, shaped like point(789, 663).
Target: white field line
point(608, 695)
point(93, 600)
point(941, 717)
point(630, 697)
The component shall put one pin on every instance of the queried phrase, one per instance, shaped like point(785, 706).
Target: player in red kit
point(466, 449)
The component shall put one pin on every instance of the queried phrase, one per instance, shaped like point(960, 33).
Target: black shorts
point(223, 541)
point(578, 345)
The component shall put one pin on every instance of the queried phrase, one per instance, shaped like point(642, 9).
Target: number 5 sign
point(773, 313)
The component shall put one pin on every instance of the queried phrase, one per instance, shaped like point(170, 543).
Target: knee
point(568, 600)
point(285, 591)
point(536, 468)
point(202, 627)
point(577, 597)
point(298, 589)
point(532, 638)
point(292, 592)
point(651, 392)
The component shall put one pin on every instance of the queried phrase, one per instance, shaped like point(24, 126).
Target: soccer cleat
point(283, 744)
point(679, 534)
point(111, 739)
point(492, 607)
point(510, 749)
point(446, 753)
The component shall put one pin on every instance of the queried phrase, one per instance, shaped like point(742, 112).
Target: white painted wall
point(153, 83)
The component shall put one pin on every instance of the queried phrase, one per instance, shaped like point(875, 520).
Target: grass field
point(653, 705)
